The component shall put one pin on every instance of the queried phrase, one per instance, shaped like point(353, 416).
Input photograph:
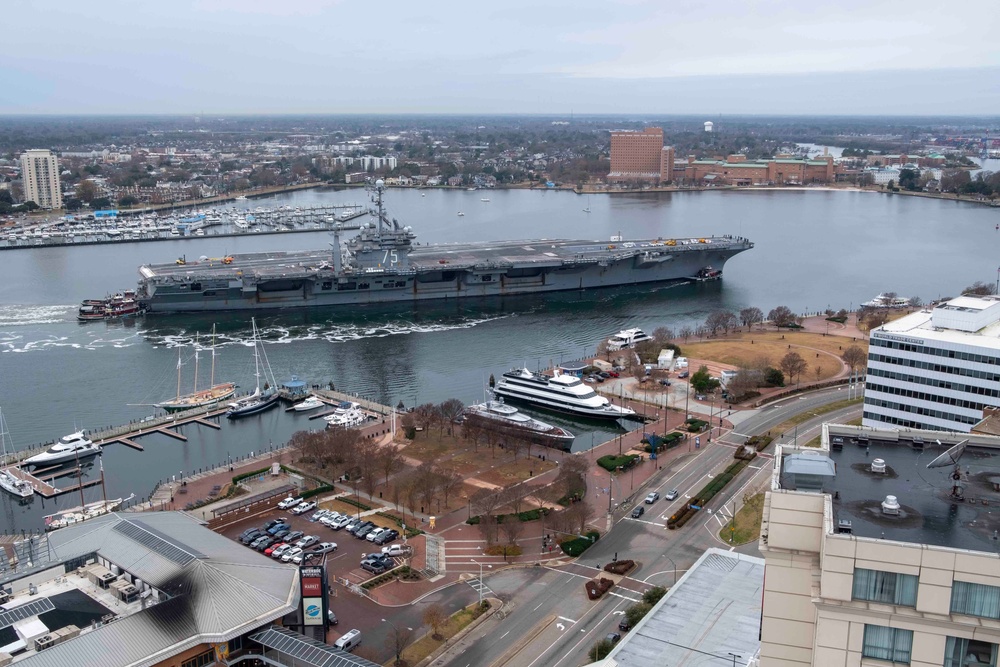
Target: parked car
point(283, 534)
point(624, 625)
point(652, 497)
point(700, 397)
point(590, 380)
point(361, 532)
point(265, 544)
point(271, 523)
point(274, 547)
point(613, 637)
point(605, 374)
point(303, 507)
point(387, 536)
point(396, 550)
point(683, 374)
point(638, 511)
point(289, 554)
point(349, 641)
point(324, 547)
point(672, 494)
point(374, 533)
point(665, 382)
point(280, 551)
point(352, 524)
point(294, 536)
point(289, 503)
point(614, 373)
point(375, 556)
point(340, 522)
point(362, 525)
point(251, 536)
point(276, 528)
point(246, 533)
point(332, 617)
point(330, 518)
point(307, 541)
point(375, 566)
point(260, 540)
point(318, 515)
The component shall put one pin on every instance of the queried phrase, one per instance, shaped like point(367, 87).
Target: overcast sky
point(504, 56)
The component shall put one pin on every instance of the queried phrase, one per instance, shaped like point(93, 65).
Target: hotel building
point(873, 557)
point(935, 369)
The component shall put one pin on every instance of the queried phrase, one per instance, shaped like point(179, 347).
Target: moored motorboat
point(310, 403)
point(508, 420)
point(69, 448)
point(10, 482)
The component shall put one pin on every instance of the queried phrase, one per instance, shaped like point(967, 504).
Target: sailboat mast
point(196, 363)
point(213, 358)
point(79, 471)
point(104, 491)
point(178, 374)
point(256, 354)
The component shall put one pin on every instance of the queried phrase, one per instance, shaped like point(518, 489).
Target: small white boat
point(627, 338)
point(69, 448)
point(485, 199)
point(461, 215)
point(10, 482)
point(310, 403)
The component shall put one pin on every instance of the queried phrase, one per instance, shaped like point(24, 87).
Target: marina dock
point(42, 485)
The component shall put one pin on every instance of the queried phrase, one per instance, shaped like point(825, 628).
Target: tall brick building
point(640, 156)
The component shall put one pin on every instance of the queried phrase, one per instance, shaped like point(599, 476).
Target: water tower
point(709, 125)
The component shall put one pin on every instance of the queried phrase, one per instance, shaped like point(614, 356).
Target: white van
point(351, 639)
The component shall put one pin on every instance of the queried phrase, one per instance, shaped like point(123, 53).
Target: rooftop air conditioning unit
point(44, 642)
point(878, 465)
point(844, 527)
point(890, 505)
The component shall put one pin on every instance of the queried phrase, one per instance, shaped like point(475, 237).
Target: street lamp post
point(611, 480)
point(480, 579)
point(734, 658)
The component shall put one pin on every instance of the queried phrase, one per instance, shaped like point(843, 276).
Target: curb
point(451, 643)
point(524, 641)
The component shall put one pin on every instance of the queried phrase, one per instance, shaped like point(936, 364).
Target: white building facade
point(40, 178)
point(935, 369)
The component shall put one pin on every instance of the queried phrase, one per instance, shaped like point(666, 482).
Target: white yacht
point(310, 403)
point(69, 448)
point(348, 419)
point(498, 415)
point(562, 393)
point(627, 338)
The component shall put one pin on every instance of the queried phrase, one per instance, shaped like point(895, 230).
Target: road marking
point(560, 626)
point(651, 523)
point(568, 620)
point(504, 634)
point(539, 605)
point(623, 597)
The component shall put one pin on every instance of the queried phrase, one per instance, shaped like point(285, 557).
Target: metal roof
point(307, 651)
point(712, 613)
point(216, 592)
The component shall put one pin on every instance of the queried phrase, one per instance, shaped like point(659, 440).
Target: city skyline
point(227, 57)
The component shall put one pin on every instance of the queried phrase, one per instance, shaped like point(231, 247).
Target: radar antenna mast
point(951, 457)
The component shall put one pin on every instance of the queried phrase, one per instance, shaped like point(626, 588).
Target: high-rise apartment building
point(40, 178)
point(881, 549)
point(935, 369)
point(640, 156)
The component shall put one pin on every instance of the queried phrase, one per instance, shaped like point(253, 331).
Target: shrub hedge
point(612, 462)
point(356, 503)
point(598, 587)
point(576, 546)
point(619, 566)
point(706, 494)
point(245, 475)
point(410, 530)
point(315, 492)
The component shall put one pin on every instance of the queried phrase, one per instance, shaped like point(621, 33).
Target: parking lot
point(344, 563)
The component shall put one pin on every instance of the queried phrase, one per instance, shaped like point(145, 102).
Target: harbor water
point(814, 249)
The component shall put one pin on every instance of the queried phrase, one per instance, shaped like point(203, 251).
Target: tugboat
point(116, 306)
point(706, 274)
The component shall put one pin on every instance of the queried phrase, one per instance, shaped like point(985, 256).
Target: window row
point(935, 351)
point(933, 382)
point(896, 421)
point(954, 370)
point(937, 414)
point(896, 645)
point(924, 396)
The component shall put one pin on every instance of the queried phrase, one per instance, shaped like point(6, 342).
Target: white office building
point(40, 176)
point(935, 369)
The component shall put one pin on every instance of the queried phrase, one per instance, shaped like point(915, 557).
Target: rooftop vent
point(890, 505)
point(878, 465)
point(844, 527)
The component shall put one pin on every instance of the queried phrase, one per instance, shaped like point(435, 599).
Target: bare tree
point(579, 515)
point(397, 640)
point(489, 528)
point(603, 350)
point(512, 527)
point(450, 482)
point(340, 447)
point(916, 302)
point(662, 335)
point(390, 459)
point(781, 316)
point(573, 475)
point(979, 288)
point(451, 410)
point(424, 415)
point(368, 465)
point(396, 493)
point(792, 365)
point(428, 483)
point(686, 333)
point(744, 382)
point(751, 316)
point(854, 357)
point(436, 617)
point(309, 445)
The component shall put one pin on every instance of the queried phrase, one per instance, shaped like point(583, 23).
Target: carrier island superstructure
point(382, 263)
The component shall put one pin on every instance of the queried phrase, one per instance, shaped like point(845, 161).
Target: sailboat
point(9, 482)
point(258, 401)
point(587, 210)
point(198, 399)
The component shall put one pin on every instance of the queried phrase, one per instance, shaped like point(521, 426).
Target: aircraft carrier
point(382, 263)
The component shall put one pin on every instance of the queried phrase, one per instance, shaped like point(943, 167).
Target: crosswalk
point(480, 587)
